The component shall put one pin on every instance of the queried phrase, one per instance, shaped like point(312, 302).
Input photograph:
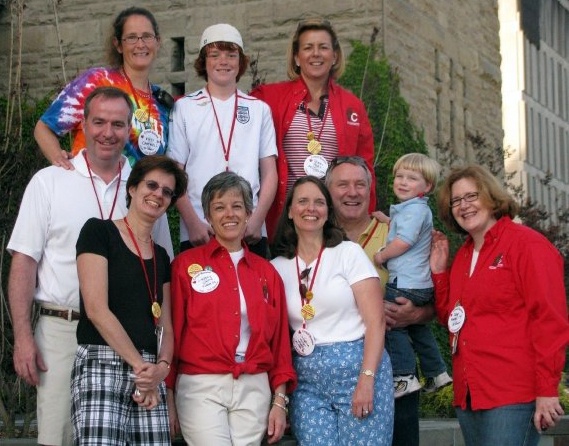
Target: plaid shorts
point(103, 411)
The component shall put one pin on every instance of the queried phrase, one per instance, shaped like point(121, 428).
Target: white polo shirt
point(194, 141)
point(56, 204)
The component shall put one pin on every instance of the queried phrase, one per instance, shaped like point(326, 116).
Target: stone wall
point(446, 52)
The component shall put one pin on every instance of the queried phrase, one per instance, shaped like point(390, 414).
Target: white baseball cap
point(222, 32)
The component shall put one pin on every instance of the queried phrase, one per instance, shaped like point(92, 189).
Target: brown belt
point(68, 315)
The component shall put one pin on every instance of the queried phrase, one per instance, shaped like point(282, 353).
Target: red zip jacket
point(349, 116)
point(511, 348)
point(206, 324)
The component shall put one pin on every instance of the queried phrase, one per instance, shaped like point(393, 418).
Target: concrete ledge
point(433, 432)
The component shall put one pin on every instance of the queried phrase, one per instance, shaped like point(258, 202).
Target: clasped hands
point(147, 378)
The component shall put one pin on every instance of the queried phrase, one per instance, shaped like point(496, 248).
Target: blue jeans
point(403, 344)
point(510, 425)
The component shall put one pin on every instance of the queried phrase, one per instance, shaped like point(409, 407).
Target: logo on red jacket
point(352, 116)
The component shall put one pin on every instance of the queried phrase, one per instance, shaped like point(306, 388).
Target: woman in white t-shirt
point(335, 309)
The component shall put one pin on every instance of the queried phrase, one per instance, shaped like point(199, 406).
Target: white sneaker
point(436, 383)
point(405, 384)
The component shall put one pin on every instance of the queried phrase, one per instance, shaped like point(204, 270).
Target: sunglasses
point(302, 287)
point(154, 186)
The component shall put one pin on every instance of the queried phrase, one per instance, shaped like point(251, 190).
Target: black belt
point(68, 315)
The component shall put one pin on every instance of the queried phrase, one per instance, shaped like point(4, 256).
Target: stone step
point(433, 432)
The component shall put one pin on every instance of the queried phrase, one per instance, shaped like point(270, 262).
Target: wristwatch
point(368, 372)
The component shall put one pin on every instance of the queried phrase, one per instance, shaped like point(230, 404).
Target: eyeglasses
point(154, 186)
point(468, 198)
point(133, 38)
point(357, 160)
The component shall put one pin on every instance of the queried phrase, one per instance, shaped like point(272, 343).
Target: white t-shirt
point(55, 206)
point(337, 318)
point(194, 141)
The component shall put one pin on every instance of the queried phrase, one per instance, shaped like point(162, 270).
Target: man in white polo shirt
point(56, 204)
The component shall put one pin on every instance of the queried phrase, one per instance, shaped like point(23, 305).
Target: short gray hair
point(221, 183)
point(352, 159)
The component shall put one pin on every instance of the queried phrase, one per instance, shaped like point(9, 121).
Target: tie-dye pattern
point(65, 113)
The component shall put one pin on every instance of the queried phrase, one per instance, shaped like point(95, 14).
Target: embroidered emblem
point(497, 263)
point(352, 116)
point(243, 114)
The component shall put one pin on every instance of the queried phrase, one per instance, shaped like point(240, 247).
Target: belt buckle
point(69, 315)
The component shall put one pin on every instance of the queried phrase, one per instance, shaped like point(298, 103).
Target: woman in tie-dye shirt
point(132, 50)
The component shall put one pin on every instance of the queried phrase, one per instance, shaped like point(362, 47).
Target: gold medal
point(314, 147)
point(193, 269)
point(141, 115)
point(156, 310)
point(309, 295)
point(307, 311)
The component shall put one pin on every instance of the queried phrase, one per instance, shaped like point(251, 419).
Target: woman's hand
point(277, 424)
point(362, 400)
point(149, 400)
point(149, 375)
point(547, 412)
point(172, 414)
point(439, 253)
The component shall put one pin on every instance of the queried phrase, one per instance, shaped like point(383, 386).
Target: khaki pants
point(222, 411)
point(57, 343)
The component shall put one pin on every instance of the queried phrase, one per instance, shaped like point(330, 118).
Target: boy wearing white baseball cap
point(214, 129)
point(219, 128)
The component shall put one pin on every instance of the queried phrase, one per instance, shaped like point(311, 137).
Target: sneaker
point(405, 384)
point(436, 383)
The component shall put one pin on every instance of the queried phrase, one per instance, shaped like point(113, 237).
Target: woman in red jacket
point(232, 365)
point(315, 119)
point(504, 302)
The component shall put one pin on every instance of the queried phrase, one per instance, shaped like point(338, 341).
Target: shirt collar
point(80, 165)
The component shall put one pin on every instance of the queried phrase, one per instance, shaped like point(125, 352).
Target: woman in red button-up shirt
point(504, 302)
point(231, 341)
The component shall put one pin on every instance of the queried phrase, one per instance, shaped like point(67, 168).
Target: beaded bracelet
point(282, 395)
point(281, 406)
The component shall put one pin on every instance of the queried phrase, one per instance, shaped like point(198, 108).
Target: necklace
point(314, 145)
point(226, 149)
point(140, 114)
point(154, 305)
point(307, 310)
point(95, 189)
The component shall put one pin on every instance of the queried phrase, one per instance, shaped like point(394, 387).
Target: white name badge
point(456, 319)
point(316, 165)
point(205, 281)
point(149, 142)
point(303, 342)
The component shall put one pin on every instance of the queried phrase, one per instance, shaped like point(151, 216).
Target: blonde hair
point(418, 162)
point(314, 24)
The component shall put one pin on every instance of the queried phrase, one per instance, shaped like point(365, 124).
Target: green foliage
point(437, 404)
point(377, 84)
point(20, 159)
